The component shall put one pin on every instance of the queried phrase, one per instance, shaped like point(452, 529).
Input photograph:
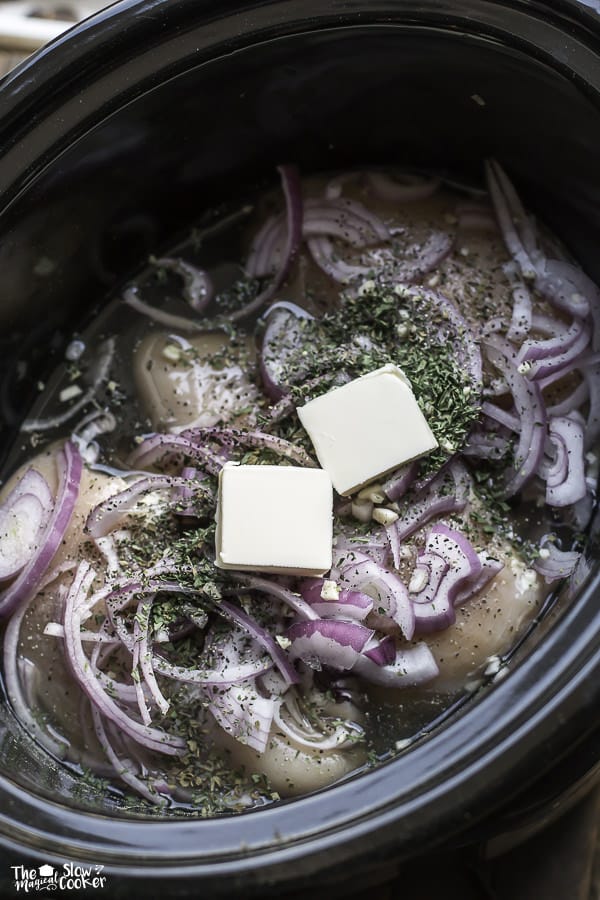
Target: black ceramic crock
point(120, 135)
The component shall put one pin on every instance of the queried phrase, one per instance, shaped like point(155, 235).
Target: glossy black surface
point(123, 134)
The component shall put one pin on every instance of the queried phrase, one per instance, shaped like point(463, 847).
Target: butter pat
point(274, 519)
point(367, 428)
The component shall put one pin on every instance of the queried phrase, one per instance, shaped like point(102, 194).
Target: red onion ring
point(23, 517)
point(328, 642)
point(448, 562)
point(106, 516)
point(532, 415)
point(565, 476)
point(198, 289)
point(413, 666)
point(555, 564)
point(84, 674)
point(282, 338)
point(350, 604)
point(292, 190)
point(69, 464)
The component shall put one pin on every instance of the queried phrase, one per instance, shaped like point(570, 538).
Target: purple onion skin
point(27, 583)
point(462, 565)
point(280, 318)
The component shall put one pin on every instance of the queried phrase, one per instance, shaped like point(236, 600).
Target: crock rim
point(559, 681)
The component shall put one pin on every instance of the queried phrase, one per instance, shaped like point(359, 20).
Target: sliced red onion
point(238, 437)
point(23, 517)
point(559, 283)
point(263, 639)
point(432, 612)
point(555, 564)
point(345, 219)
point(198, 288)
point(335, 187)
point(489, 569)
point(171, 320)
point(485, 445)
point(565, 476)
point(580, 291)
point(95, 424)
point(403, 188)
point(572, 402)
point(243, 713)
point(325, 256)
point(300, 730)
point(372, 545)
point(294, 601)
point(328, 642)
point(156, 446)
point(426, 257)
point(292, 189)
point(529, 404)
point(122, 767)
point(412, 666)
point(185, 506)
point(382, 652)
point(68, 461)
point(520, 324)
point(361, 573)
point(543, 357)
point(262, 259)
point(282, 339)
point(502, 416)
point(400, 481)
point(84, 674)
point(448, 562)
point(107, 515)
point(447, 492)
point(98, 374)
point(349, 604)
point(513, 221)
point(143, 651)
point(354, 207)
point(135, 670)
point(225, 674)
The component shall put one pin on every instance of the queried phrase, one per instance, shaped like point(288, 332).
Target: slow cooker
point(118, 136)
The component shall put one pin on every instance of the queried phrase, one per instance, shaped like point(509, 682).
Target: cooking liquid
point(210, 782)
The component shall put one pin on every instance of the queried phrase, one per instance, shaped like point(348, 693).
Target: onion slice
point(243, 713)
point(70, 466)
point(555, 564)
point(23, 517)
point(448, 562)
point(292, 190)
point(349, 604)
point(565, 475)
point(530, 407)
point(328, 642)
point(412, 666)
point(84, 673)
point(107, 515)
point(447, 492)
point(198, 289)
point(361, 573)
